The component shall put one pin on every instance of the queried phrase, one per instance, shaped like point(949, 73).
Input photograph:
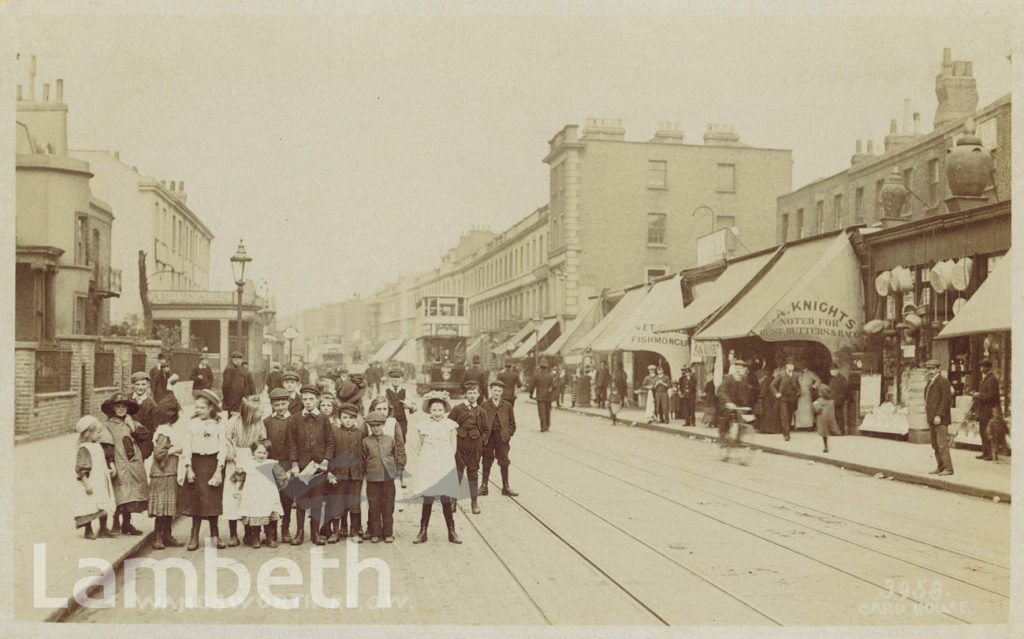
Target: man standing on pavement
point(472, 434)
point(938, 397)
point(500, 426)
point(158, 377)
point(543, 390)
point(688, 396)
point(510, 378)
point(786, 388)
point(202, 375)
point(147, 413)
point(476, 374)
point(250, 383)
point(233, 385)
point(840, 387)
point(647, 385)
point(986, 400)
point(662, 383)
point(601, 381)
point(275, 379)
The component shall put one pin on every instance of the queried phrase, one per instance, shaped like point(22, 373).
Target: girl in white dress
point(436, 475)
point(260, 501)
point(241, 433)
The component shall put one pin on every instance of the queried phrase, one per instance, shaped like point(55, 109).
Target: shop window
point(656, 228)
point(934, 187)
point(657, 174)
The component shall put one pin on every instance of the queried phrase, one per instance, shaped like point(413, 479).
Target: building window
point(656, 228)
point(837, 210)
point(725, 221)
point(103, 369)
point(726, 178)
point(82, 239)
point(657, 174)
point(878, 198)
point(652, 274)
point(799, 223)
point(908, 176)
point(933, 181)
point(784, 227)
point(858, 204)
point(81, 311)
point(819, 216)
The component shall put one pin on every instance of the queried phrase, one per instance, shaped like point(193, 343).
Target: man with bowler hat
point(986, 400)
point(938, 397)
point(542, 388)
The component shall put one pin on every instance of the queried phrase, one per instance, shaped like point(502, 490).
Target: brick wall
point(47, 414)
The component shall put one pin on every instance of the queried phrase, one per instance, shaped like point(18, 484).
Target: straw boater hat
point(119, 398)
point(436, 396)
point(210, 396)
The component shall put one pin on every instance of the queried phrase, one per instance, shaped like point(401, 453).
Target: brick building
point(853, 196)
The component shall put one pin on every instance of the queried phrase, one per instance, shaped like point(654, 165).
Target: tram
point(442, 329)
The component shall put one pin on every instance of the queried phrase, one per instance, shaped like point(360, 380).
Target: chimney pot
point(181, 186)
point(46, 92)
point(871, 147)
point(917, 123)
point(60, 89)
point(859, 146)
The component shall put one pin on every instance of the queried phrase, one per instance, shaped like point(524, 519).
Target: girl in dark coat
point(131, 490)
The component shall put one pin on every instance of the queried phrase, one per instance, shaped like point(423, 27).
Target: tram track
point(720, 521)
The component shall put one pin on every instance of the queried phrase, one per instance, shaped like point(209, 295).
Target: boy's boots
point(300, 520)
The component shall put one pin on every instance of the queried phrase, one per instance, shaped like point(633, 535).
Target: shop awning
point(387, 350)
point(406, 354)
point(577, 328)
point(537, 336)
point(613, 320)
point(811, 292)
point(474, 347)
point(712, 296)
point(635, 331)
point(515, 340)
point(988, 310)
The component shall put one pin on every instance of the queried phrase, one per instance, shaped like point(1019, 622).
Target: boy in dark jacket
point(311, 443)
point(346, 476)
point(384, 461)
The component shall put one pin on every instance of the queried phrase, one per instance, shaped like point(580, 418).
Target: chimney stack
point(858, 155)
point(60, 89)
point(917, 123)
point(956, 90)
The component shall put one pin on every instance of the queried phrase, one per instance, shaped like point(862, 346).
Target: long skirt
point(768, 420)
point(163, 496)
point(199, 498)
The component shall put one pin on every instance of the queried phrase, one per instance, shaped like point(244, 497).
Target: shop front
point(559, 350)
point(605, 329)
point(921, 279)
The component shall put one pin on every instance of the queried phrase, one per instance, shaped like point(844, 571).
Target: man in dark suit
point(202, 375)
point(840, 387)
point(786, 388)
point(311, 442)
point(510, 378)
point(275, 379)
point(476, 373)
point(542, 389)
point(158, 377)
point(688, 396)
point(233, 384)
point(500, 424)
point(146, 417)
point(986, 400)
point(472, 433)
point(601, 381)
point(250, 383)
point(938, 397)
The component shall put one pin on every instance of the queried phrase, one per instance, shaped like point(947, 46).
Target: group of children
point(313, 453)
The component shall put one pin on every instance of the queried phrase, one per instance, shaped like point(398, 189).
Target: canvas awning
point(387, 350)
point(635, 331)
point(515, 340)
point(537, 336)
point(577, 328)
point(406, 354)
point(811, 292)
point(988, 310)
point(613, 320)
point(475, 345)
point(710, 297)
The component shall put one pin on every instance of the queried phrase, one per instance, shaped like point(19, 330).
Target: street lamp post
point(290, 334)
point(238, 262)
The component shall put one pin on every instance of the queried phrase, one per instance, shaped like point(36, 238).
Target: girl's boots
point(424, 522)
point(193, 540)
point(449, 518)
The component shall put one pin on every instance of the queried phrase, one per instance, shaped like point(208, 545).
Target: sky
point(350, 149)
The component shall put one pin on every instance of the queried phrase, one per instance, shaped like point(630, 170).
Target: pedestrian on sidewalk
point(510, 378)
point(710, 403)
point(131, 490)
point(275, 379)
point(786, 388)
point(145, 395)
point(398, 404)
point(310, 457)
point(543, 390)
point(241, 432)
point(938, 398)
point(986, 402)
point(839, 386)
point(96, 497)
point(824, 414)
point(620, 384)
point(583, 388)
point(996, 428)
point(260, 480)
point(601, 381)
point(500, 424)
point(281, 435)
point(201, 468)
point(662, 383)
point(558, 374)
point(436, 473)
point(384, 462)
point(163, 472)
point(345, 474)
point(647, 387)
point(234, 384)
point(766, 409)
point(809, 382)
point(471, 435)
point(614, 403)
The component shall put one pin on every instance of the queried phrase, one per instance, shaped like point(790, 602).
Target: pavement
point(48, 527)
point(891, 458)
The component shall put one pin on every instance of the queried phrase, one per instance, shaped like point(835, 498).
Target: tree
point(147, 310)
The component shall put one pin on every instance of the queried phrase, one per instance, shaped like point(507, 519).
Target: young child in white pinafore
point(260, 502)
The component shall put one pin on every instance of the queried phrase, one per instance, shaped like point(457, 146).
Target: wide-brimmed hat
point(543, 362)
point(436, 396)
point(119, 398)
point(210, 396)
point(85, 423)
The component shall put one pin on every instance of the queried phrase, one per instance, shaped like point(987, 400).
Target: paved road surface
point(624, 526)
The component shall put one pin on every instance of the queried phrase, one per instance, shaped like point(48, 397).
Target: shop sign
point(705, 349)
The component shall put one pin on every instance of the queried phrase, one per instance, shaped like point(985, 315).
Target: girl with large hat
point(201, 468)
point(131, 490)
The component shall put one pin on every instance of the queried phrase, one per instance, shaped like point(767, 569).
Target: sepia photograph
point(508, 319)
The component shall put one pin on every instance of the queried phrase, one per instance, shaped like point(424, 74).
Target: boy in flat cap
point(345, 475)
point(311, 442)
point(281, 434)
point(472, 434)
point(500, 425)
point(384, 461)
point(291, 382)
point(397, 403)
